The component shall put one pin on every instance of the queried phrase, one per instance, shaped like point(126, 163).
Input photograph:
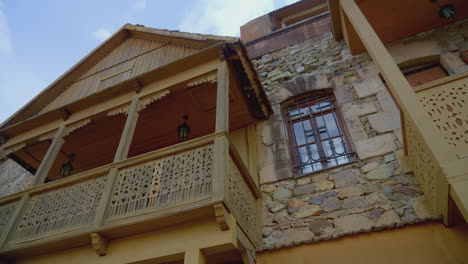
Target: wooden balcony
point(150, 191)
point(434, 114)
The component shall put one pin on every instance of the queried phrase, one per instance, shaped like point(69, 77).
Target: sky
point(42, 39)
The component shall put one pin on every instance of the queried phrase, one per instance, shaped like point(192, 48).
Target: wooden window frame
point(308, 100)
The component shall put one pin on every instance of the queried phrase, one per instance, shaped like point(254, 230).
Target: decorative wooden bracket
point(137, 86)
point(3, 138)
point(65, 113)
point(212, 78)
point(100, 244)
point(222, 216)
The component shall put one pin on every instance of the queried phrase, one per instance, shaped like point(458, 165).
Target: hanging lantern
point(445, 11)
point(183, 130)
point(67, 167)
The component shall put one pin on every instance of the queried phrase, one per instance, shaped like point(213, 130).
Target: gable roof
point(95, 62)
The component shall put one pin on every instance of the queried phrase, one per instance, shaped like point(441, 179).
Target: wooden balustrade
point(153, 182)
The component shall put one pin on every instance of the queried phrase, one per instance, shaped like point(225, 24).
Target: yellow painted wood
point(129, 129)
point(49, 158)
point(222, 98)
point(194, 256)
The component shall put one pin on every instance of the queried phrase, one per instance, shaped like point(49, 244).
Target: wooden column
point(129, 129)
point(194, 256)
point(404, 94)
point(221, 144)
point(120, 154)
point(50, 157)
point(8, 228)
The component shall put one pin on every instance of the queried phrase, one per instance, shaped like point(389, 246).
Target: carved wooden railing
point(130, 191)
point(445, 101)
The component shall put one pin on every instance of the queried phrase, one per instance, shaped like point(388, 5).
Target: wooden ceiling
point(398, 19)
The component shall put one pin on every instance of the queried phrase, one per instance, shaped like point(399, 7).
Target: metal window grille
point(316, 134)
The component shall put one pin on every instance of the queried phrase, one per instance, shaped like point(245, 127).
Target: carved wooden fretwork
point(69, 129)
point(144, 102)
point(447, 105)
point(47, 137)
point(60, 210)
point(14, 148)
point(100, 244)
point(425, 166)
point(156, 184)
point(6, 211)
point(243, 204)
point(207, 79)
point(222, 216)
point(119, 110)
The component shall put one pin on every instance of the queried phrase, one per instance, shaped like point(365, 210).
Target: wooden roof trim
point(41, 100)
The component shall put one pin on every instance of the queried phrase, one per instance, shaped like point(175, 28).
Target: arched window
point(316, 133)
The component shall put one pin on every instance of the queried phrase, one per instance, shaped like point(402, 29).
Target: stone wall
point(377, 191)
point(13, 178)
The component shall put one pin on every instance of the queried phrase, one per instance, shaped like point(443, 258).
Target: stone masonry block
point(368, 87)
point(375, 146)
point(385, 121)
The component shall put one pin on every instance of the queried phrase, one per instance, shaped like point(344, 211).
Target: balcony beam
point(50, 157)
point(194, 256)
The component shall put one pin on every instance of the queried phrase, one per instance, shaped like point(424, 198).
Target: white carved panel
point(156, 184)
point(5, 213)
point(242, 202)
point(60, 210)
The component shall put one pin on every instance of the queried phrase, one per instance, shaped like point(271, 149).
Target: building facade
point(330, 131)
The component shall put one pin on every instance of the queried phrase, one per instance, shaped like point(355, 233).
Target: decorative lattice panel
point(447, 106)
point(5, 213)
point(156, 184)
point(425, 166)
point(242, 202)
point(60, 210)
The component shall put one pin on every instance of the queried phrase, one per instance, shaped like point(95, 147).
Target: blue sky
point(42, 39)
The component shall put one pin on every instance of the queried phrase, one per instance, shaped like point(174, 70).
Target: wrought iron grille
point(316, 134)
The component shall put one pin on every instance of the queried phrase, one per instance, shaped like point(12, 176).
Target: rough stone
point(368, 87)
point(304, 189)
point(403, 161)
point(385, 121)
point(370, 188)
point(318, 227)
point(331, 204)
point(353, 223)
point(295, 203)
point(324, 185)
point(421, 207)
point(346, 177)
point(389, 157)
point(316, 200)
point(374, 214)
point(406, 190)
point(354, 202)
point(330, 194)
point(375, 146)
point(382, 171)
point(350, 191)
point(369, 166)
point(388, 218)
point(356, 109)
point(386, 102)
point(303, 180)
point(276, 208)
point(320, 177)
point(296, 235)
point(308, 210)
point(281, 217)
point(387, 190)
point(375, 198)
point(267, 231)
point(281, 193)
point(343, 94)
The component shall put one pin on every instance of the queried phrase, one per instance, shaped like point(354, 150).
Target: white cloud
point(102, 34)
point(6, 46)
point(226, 17)
point(139, 5)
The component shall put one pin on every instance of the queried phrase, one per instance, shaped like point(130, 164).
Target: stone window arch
point(316, 132)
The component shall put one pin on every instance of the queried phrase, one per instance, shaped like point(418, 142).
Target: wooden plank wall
point(133, 57)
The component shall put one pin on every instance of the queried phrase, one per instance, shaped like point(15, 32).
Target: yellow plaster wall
point(428, 243)
point(147, 247)
point(239, 139)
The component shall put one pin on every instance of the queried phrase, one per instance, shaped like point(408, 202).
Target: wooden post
point(105, 197)
point(127, 134)
point(50, 157)
point(221, 144)
point(8, 228)
point(194, 256)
